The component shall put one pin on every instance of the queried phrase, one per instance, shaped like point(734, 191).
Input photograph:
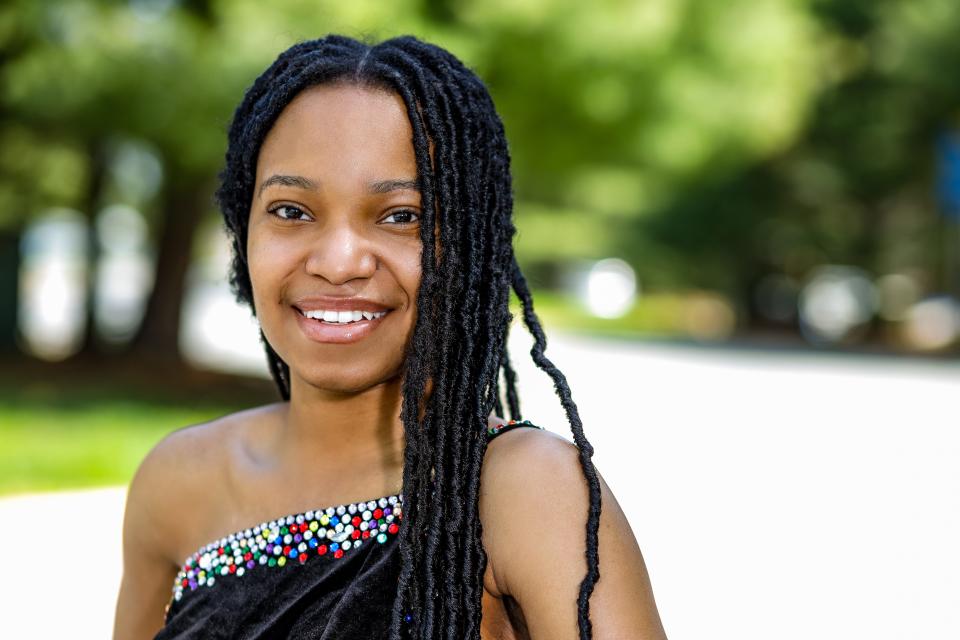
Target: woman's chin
point(345, 382)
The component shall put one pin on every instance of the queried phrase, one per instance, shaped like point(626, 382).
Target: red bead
point(366, 534)
point(355, 534)
point(338, 553)
point(393, 528)
point(220, 551)
point(377, 513)
point(356, 521)
point(322, 549)
point(303, 558)
point(293, 528)
point(233, 568)
point(286, 550)
point(247, 557)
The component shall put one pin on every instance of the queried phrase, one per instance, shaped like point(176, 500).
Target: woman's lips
point(336, 333)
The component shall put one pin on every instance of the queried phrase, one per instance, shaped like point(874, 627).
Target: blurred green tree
point(708, 143)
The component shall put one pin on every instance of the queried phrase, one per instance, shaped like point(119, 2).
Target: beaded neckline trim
point(292, 539)
point(506, 426)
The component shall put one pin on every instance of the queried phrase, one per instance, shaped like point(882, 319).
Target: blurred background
point(741, 220)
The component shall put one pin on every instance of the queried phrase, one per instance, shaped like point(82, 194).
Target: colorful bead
point(331, 531)
point(492, 431)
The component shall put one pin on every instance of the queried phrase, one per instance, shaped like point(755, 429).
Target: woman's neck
point(355, 428)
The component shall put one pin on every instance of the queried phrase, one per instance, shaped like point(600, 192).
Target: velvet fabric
point(322, 599)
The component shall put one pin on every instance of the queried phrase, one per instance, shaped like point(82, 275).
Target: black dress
point(322, 574)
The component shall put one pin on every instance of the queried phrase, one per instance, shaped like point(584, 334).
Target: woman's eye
point(403, 216)
point(288, 212)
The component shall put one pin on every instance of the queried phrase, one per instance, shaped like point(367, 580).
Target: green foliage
point(705, 141)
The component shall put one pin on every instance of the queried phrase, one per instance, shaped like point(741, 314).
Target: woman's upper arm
point(534, 511)
point(148, 569)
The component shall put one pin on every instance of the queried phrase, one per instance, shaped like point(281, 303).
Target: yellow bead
point(314, 526)
point(324, 519)
point(282, 560)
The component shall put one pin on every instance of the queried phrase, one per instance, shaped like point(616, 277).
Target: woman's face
point(334, 235)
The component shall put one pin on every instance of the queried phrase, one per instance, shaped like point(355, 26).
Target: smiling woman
point(367, 193)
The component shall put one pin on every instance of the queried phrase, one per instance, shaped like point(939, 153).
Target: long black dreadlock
point(460, 338)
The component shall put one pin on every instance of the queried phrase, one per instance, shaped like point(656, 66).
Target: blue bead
point(313, 543)
point(334, 546)
point(293, 553)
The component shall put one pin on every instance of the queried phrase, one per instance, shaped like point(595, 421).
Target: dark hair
point(463, 317)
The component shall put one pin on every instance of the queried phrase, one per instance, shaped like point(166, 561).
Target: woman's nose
point(339, 253)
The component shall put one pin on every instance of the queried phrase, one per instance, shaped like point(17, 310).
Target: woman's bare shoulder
point(181, 472)
point(524, 471)
point(533, 480)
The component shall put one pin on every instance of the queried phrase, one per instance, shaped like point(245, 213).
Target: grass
point(654, 315)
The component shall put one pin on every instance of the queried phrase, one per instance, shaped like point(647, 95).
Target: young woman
point(367, 193)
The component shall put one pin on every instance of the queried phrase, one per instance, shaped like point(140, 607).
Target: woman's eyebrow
point(287, 181)
point(385, 186)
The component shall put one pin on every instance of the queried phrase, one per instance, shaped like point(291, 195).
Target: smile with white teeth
point(342, 317)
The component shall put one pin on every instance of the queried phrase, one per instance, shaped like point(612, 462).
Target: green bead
point(272, 562)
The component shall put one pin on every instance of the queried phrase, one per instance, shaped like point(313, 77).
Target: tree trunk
point(183, 205)
point(90, 346)
point(9, 289)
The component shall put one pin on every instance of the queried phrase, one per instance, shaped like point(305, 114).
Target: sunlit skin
point(335, 214)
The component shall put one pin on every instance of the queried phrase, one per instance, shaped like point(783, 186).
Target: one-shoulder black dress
point(321, 574)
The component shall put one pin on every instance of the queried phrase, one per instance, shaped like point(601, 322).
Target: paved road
point(774, 495)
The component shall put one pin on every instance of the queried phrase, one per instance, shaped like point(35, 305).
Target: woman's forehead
point(340, 132)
